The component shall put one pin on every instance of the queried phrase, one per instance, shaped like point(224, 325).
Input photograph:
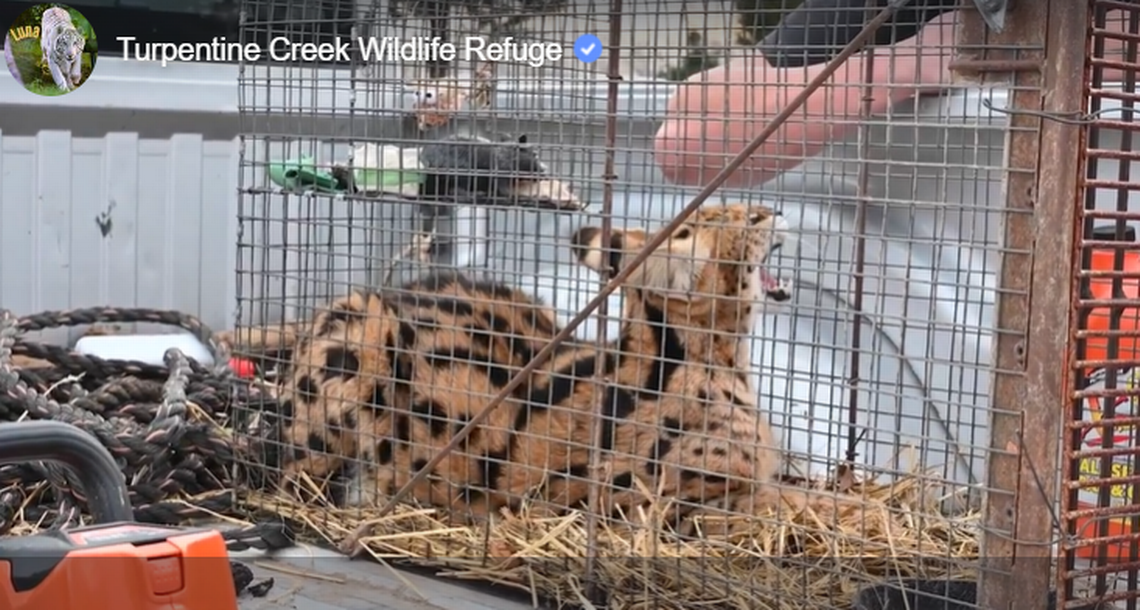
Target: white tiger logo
point(62, 46)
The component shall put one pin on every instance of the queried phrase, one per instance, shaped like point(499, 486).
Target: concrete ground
point(311, 578)
point(308, 578)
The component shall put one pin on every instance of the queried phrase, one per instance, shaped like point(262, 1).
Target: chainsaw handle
point(102, 480)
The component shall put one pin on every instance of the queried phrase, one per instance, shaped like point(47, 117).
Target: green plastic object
point(371, 179)
point(301, 174)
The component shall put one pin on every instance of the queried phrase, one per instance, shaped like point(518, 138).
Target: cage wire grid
point(1099, 553)
point(877, 376)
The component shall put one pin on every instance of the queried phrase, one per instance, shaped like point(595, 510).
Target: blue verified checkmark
point(588, 48)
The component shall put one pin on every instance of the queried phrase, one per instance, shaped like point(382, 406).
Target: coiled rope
point(168, 427)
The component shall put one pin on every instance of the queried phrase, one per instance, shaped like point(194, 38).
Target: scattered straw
point(276, 567)
point(763, 563)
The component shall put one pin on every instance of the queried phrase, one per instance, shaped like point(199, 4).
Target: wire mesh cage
point(1099, 552)
point(784, 397)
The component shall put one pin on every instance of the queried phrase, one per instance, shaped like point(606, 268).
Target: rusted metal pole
point(597, 476)
point(862, 197)
point(732, 167)
point(1094, 520)
point(1033, 310)
point(977, 67)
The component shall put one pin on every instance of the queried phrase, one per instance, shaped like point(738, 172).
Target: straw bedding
point(765, 563)
point(768, 561)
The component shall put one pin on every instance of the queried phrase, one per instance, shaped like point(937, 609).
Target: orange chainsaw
point(116, 564)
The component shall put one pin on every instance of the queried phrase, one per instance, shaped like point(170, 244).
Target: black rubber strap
point(817, 30)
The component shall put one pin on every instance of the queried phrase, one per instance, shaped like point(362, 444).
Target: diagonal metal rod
point(543, 355)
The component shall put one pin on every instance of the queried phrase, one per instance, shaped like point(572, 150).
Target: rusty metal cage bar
point(595, 469)
point(1027, 388)
point(1100, 552)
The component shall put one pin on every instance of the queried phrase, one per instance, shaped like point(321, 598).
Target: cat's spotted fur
point(678, 412)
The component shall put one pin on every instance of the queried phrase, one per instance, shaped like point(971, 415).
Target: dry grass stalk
point(24, 362)
point(769, 563)
point(764, 562)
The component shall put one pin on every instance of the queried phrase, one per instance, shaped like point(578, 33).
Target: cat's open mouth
point(776, 289)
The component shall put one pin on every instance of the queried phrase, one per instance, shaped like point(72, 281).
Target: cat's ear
point(592, 253)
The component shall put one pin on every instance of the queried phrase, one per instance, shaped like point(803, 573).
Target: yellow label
point(1123, 436)
point(1090, 471)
